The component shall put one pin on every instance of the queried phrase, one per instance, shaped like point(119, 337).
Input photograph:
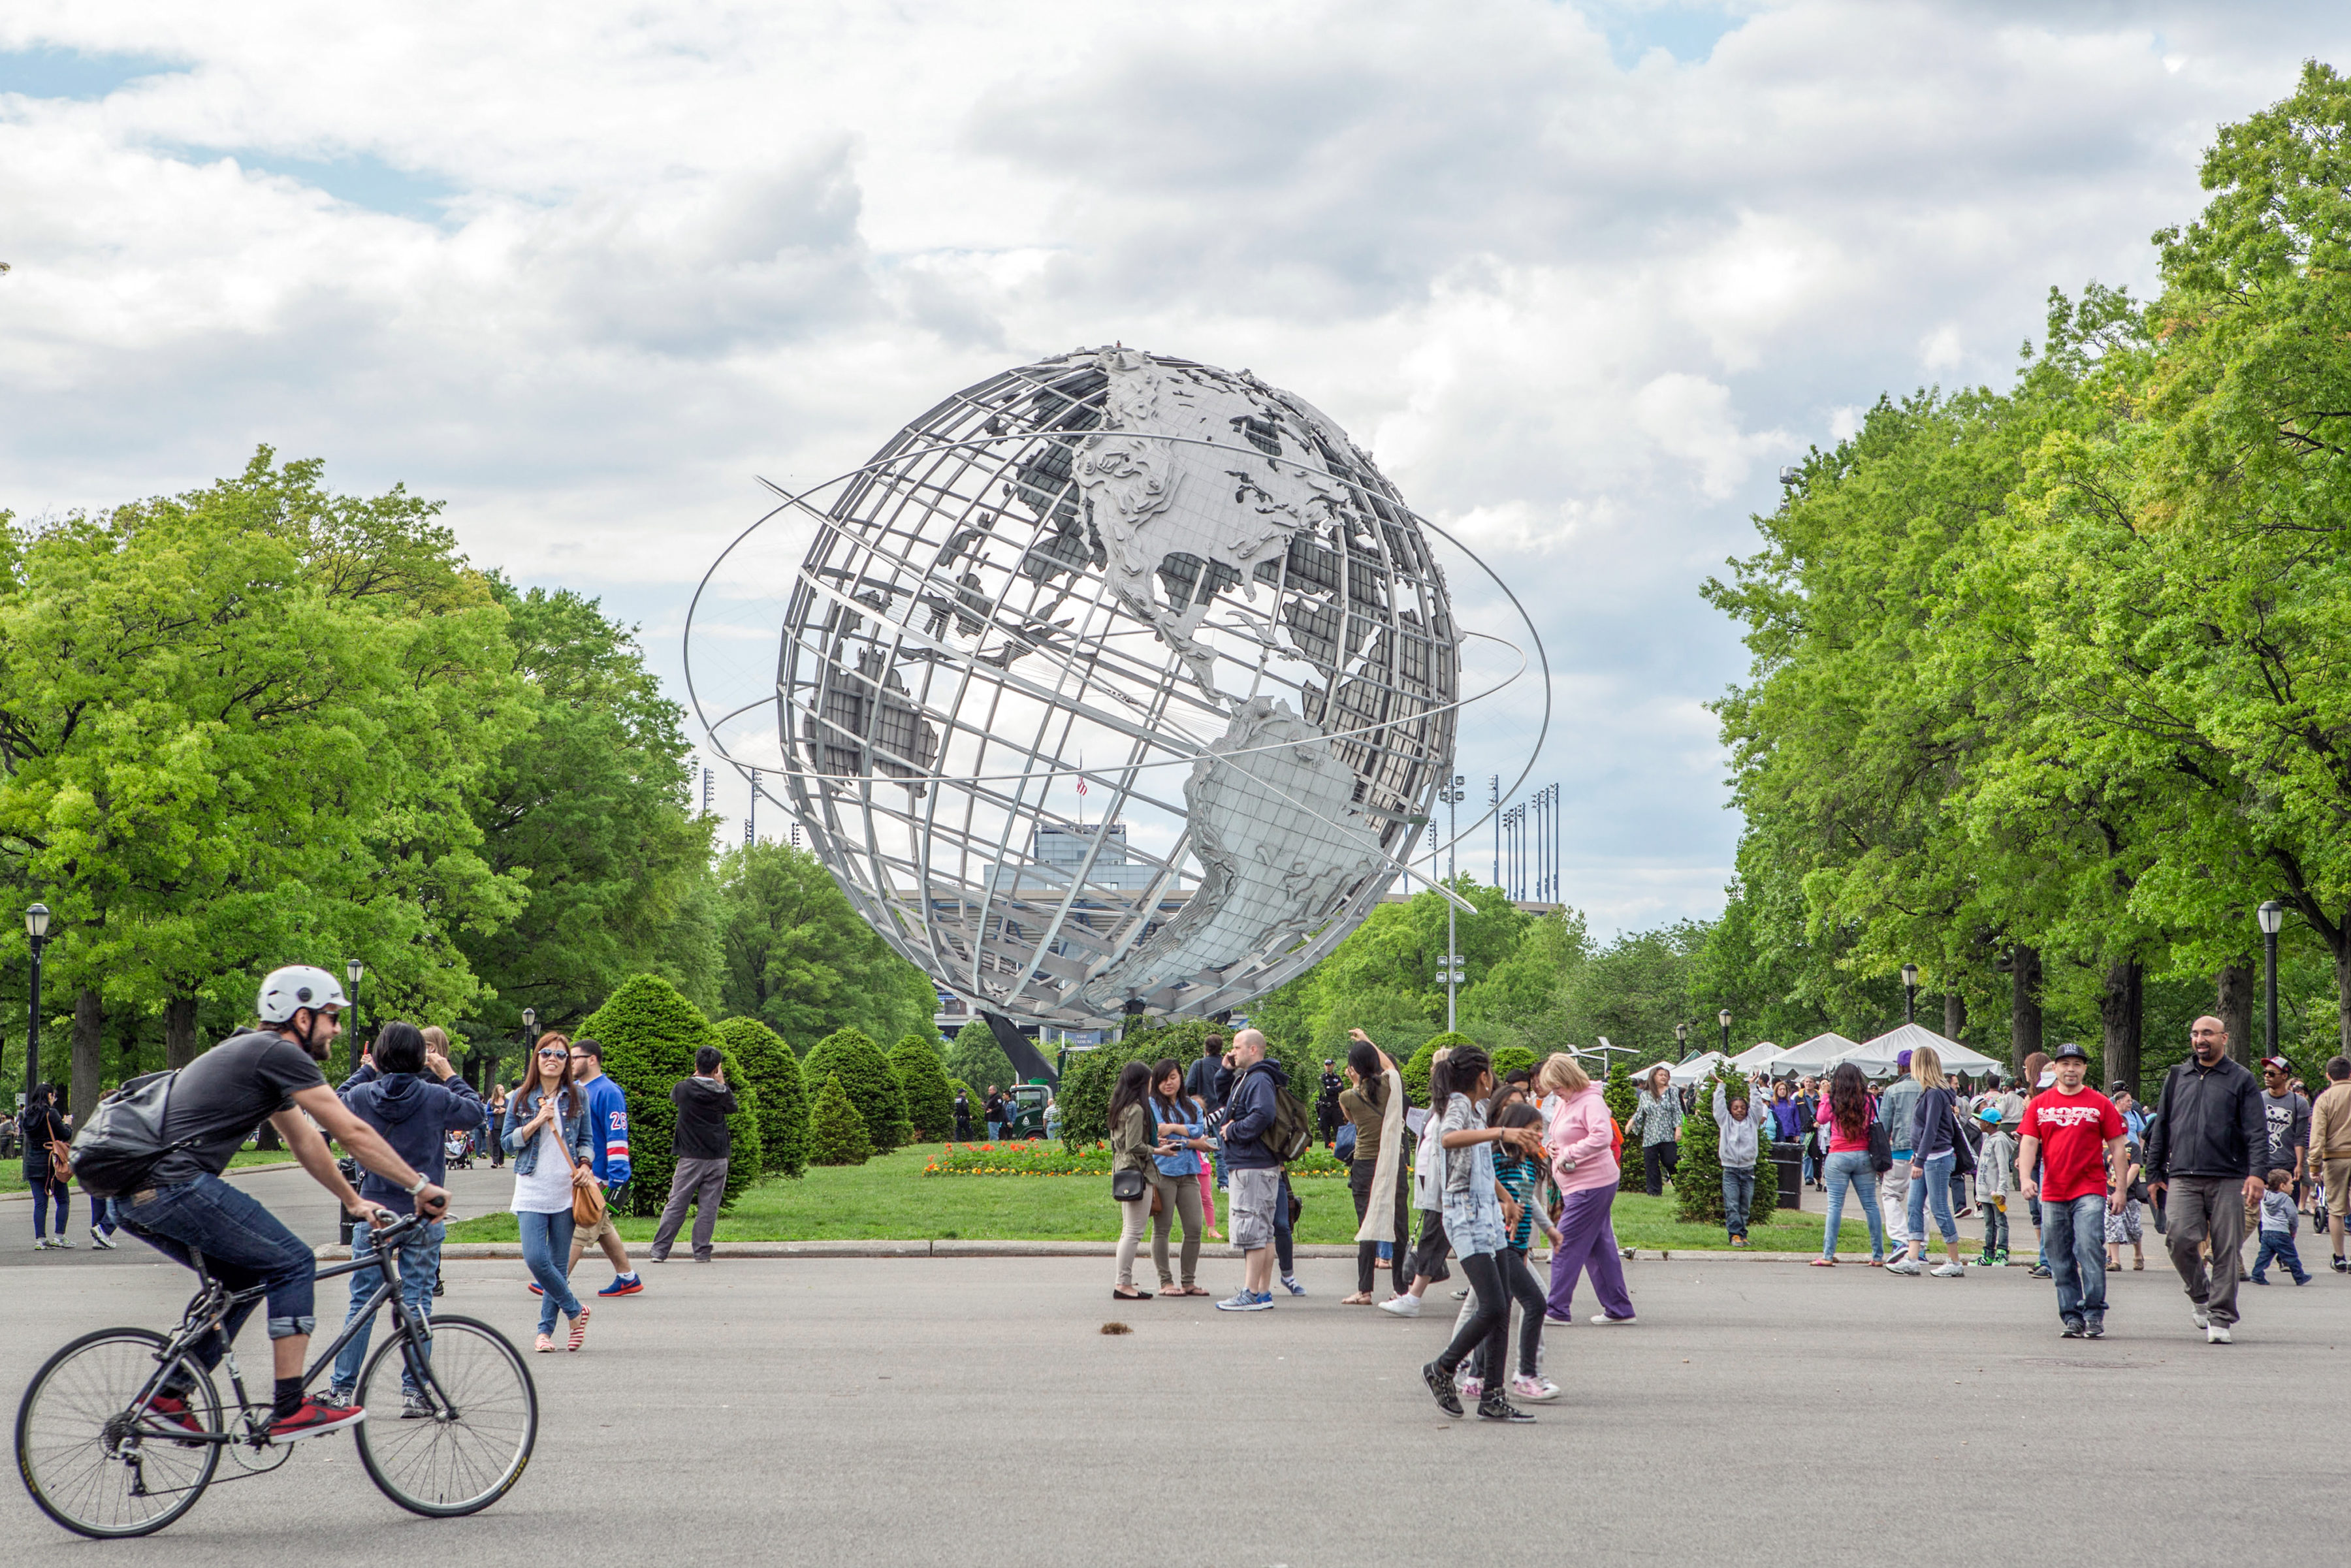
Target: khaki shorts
point(587, 1236)
point(1251, 1196)
point(2338, 1185)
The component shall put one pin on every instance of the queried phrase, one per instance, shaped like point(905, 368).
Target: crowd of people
point(1492, 1162)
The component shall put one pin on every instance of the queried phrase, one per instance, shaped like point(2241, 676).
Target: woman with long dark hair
point(1845, 1124)
point(1374, 1089)
point(550, 1139)
point(1474, 1206)
point(1134, 1142)
point(1426, 1263)
point(1656, 1125)
point(37, 1129)
point(1183, 1128)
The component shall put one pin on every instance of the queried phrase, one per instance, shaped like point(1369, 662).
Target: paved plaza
point(851, 1411)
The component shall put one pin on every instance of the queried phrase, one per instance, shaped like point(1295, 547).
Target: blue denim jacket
point(578, 1130)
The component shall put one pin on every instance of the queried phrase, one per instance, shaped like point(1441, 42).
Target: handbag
point(587, 1202)
point(1126, 1186)
point(1881, 1152)
point(61, 1163)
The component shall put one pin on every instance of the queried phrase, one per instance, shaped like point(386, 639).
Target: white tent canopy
point(1757, 1055)
point(1696, 1069)
point(1878, 1056)
point(1813, 1056)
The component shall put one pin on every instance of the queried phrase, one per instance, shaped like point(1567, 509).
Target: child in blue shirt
point(2279, 1223)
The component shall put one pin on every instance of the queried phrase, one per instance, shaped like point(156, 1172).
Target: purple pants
point(1588, 1242)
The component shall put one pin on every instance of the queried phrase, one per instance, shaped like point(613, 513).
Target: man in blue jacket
point(1252, 1173)
point(390, 1094)
point(608, 1113)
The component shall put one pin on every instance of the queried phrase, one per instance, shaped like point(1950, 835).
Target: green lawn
point(888, 1199)
point(12, 1171)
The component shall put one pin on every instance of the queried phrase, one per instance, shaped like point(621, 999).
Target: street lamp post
point(352, 972)
point(1681, 1041)
point(36, 927)
point(1909, 993)
point(2272, 915)
point(1723, 1018)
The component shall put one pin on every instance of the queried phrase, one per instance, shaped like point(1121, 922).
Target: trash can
point(1790, 1159)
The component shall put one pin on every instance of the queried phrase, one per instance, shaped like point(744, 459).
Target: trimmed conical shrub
point(1697, 1178)
point(836, 1131)
point(649, 1034)
point(770, 1067)
point(923, 1080)
point(866, 1078)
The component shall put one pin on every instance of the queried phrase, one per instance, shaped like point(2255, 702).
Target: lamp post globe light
point(1909, 993)
point(1681, 1041)
point(36, 927)
point(2271, 918)
point(1723, 1018)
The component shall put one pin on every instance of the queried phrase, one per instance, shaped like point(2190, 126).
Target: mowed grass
point(12, 1174)
point(889, 1199)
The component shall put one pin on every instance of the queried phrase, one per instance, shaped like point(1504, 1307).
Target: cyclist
point(182, 1207)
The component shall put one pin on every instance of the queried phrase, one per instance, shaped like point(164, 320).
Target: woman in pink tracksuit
point(1583, 1167)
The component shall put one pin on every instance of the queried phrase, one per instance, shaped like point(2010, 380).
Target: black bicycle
point(102, 1461)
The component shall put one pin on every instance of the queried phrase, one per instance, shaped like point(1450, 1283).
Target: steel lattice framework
point(1114, 682)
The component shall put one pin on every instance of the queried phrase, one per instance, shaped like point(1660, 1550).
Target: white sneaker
point(2216, 1334)
point(2203, 1319)
point(1534, 1390)
point(41, 1244)
point(1406, 1306)
point(1949, 1270)
point(1902, 1265)
point(100, 1238)
point(1605, 1318)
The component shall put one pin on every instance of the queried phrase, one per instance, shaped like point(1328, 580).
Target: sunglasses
point(559, 1055)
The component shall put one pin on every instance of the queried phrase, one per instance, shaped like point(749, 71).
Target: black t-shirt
point(219, 1098)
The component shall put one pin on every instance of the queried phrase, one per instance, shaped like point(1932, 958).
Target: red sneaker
point(311, 1419)
point(172, 1411)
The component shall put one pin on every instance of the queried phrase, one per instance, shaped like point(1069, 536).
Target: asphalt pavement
point(936, 1411)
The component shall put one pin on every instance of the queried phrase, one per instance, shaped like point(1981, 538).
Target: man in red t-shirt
point(2071, 1159)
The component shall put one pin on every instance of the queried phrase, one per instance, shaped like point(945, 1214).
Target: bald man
point(1251, 1171)
point(2200, 1153)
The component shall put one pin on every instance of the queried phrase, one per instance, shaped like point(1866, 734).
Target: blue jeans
point(44, 1189)
point(420, 1264)
point(1936, 1184)
point(243, 1245)
point(547, 1249)
point(2278, 1245)
point(1849, 1168)
point(1737, 1197)
point(2074, 1239)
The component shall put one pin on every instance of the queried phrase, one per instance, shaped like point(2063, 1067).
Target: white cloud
point(585, 269)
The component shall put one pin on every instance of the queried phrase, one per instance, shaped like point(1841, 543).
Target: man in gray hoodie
point(703, 1143)
point(1740, 1126)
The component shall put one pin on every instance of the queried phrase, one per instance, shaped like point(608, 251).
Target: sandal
point(1823, 1262)
point(1360, 1299)
point(1187, 1291)
point(545, 1343)
point(2138, 1264)
point(1128, 1294)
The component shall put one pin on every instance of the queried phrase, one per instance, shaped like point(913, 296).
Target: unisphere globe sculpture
point(1116, 684)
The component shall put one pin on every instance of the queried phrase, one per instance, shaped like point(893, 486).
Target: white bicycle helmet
point(298, 985)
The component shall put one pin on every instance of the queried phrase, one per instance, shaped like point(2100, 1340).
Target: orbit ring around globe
point(1034, 603)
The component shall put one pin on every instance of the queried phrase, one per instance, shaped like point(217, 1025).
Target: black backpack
point(1292, 1132)
point(124, 1138)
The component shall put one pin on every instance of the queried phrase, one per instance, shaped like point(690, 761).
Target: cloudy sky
point(1582, 276)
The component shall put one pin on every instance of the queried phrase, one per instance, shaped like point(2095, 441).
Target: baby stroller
point(460, 1149)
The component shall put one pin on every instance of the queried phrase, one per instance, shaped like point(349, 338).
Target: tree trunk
point(179, 1031)
point(2122, 1011)
point(89, 1052)
point(1955, 1014)
point(2233, 1004)
point(2023, 1006)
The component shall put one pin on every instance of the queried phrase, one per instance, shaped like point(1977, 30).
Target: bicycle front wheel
point(460, 1442)
point(87, 1464)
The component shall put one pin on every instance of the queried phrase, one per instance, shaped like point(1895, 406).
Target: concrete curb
point(954, 1247)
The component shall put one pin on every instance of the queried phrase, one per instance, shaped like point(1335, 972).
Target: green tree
point(770, 1068)
point(590, 810)
point(864, 1073)
point(930, 1104)
point(977, 1059)
point(837, 1131)
point(649, 1034)
point(799, 958)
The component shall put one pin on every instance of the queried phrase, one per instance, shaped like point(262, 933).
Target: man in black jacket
point(703, 1144)
point(2200, 1151)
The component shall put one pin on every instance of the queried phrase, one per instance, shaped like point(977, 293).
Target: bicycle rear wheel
point(86, 1464)
point(471, 1448)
